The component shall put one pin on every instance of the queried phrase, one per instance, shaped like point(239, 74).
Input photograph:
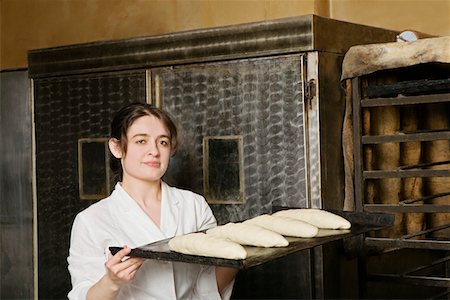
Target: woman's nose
point(153, 148)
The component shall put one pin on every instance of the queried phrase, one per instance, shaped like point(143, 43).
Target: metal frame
point(206, 185)
point(407, 205)
point(287, 35)
point(83, 194)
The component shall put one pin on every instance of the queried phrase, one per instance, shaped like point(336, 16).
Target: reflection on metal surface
point(93, 168)
point(223, 169)
point(259, 99)
point(157, 99)
point(16, 187)
point(67, 109)
point(148, 87)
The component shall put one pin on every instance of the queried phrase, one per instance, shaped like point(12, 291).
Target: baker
point(142, 209)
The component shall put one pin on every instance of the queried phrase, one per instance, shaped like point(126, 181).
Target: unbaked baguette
point(207, 245)
point(285, 226)
point(249, 234)
point(317, 217)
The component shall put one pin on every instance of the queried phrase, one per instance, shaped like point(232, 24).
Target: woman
point(142, 209)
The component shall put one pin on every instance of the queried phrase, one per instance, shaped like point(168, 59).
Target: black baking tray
point(361, 223)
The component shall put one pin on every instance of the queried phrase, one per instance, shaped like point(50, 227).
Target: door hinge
point(310, 90)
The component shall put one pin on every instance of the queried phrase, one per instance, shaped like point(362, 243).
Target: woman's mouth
point(152, 163)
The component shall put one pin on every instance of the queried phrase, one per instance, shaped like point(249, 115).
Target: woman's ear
point(114, 147)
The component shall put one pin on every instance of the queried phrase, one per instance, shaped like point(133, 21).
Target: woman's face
point(148, 150)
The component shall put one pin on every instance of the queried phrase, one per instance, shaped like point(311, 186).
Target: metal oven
point(261, 103)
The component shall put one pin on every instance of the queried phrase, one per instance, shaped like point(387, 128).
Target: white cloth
point(117, 221)
point(365, 59)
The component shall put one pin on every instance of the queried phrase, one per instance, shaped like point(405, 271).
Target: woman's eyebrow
point(147, 135)
point(139, 135)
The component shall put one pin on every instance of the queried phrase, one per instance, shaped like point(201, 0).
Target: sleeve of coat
point(86, 259)
point(206, 287)
point(206, 219)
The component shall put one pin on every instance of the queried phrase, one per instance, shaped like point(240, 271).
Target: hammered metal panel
point(67, 109)
point(258, 99)
point(16, 189)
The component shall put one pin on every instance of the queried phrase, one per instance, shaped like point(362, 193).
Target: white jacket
point(118, 221)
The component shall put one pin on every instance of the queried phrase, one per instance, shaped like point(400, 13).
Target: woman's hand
point(120, 269)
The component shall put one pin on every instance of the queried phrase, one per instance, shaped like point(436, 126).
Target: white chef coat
point(117, 221)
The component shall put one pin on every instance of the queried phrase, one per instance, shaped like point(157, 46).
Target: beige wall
point(33, 24)
point(427, 16)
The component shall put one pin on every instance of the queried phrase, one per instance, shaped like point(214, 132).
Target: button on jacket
point(118, 221)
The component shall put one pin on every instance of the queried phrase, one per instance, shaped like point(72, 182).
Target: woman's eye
point(140, 142)
point(164, 143)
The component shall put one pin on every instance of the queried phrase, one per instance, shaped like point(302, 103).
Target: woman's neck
point(147, 196)
point(144, 193)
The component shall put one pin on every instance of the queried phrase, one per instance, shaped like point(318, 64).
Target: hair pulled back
point(123, 120)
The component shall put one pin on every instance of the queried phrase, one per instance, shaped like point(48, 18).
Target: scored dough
point(317, 217)
point(207, 245)
point(249, 234)
point(285, 226)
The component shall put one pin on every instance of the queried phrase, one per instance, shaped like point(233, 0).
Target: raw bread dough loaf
point(285, 226)
point(249, 234)
point(317, 217)
point(207, 245)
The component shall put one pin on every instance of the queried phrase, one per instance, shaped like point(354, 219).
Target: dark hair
point(123, 120)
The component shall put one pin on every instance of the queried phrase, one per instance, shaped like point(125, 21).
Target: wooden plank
point(411, 279)
point(405, 137)
point(405, 100)
point(391, 243)
point(357, 144)
point(409, 87)
point(405, 173)
point(410, 208)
